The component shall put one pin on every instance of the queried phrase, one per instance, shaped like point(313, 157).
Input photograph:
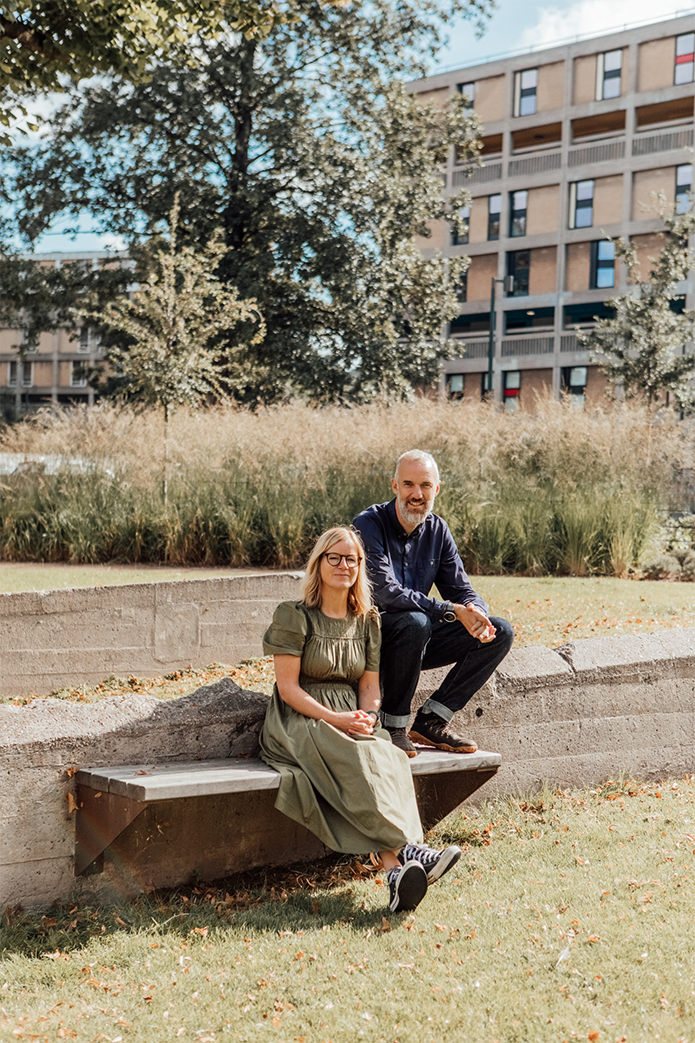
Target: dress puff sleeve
point(287, 634)
point(373, 644)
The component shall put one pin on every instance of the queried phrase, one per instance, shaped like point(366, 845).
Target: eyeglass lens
point(335, 559)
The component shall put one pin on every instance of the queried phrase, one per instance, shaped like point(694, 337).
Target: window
point(494, 206)
point(608, 69)
point(455, 382)
point(525, 84)
point(12, 374)
point(83, 339)
point(581, 204)
point(574, 384)
point(517, 213)
point(685, 46)
point(511, 388)
point(467, 92)
point(462, 288)
point(78, 375)
point(527, 319)
point(460, 238)
point(24, 371)
point(684, 185)
point(30, 343)
point(602, 264)
point(518, 269)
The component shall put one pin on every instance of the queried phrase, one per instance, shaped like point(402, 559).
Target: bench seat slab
point(151, 826)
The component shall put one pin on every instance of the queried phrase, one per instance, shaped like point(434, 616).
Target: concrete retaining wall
point(52, 638)
point(573, 716)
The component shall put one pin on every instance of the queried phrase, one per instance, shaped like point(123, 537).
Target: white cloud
point(557, 22)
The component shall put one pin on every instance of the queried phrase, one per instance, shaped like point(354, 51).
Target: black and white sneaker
point(408, 886)
point(435, 863)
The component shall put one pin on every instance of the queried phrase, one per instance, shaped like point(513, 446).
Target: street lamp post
point(508, 283)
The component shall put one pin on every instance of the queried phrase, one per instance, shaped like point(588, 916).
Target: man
point(410, 549)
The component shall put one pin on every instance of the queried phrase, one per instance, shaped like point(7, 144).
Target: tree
point(642, 347)
point(44, 41)
point(163, 344)
point(318, 166)
point(36, 298)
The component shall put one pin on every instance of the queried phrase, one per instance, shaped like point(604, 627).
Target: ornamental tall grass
point(558, 490)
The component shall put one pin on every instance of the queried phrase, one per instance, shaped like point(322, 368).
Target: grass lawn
point(15, 576)
point(545, 611)
point(570, 916)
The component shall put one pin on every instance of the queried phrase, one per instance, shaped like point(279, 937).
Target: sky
point(516, 25)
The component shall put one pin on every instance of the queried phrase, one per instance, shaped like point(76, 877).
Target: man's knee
point(410, 628)
point(504, 638)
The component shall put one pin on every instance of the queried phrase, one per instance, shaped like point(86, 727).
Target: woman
point(341, 776)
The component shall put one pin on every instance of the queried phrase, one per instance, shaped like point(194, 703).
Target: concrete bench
point(161, 825)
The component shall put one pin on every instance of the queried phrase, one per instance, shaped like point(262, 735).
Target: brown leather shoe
point(401, 740)
point(431, 730)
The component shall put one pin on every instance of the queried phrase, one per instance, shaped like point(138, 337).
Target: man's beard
point(413, 517)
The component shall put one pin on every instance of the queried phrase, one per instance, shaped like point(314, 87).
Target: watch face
point(449, 616)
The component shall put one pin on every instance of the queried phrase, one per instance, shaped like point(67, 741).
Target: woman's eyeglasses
point(335, 559)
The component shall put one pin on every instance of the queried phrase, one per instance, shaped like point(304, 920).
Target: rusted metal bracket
point(101, 817)
point(438, 795)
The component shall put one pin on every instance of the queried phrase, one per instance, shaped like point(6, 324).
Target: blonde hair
point(359, 594)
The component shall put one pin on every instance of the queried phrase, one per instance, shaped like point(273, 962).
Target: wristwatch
point(449, 613)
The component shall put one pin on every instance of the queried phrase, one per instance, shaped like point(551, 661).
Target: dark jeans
point(411, 642)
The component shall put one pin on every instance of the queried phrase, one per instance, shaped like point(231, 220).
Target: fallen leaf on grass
point(593, 938)
point(593, 1036)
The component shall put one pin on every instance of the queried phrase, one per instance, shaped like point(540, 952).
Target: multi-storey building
point(577, 141)
point(52, 370)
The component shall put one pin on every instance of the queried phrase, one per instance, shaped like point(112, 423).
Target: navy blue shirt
point(404, 567)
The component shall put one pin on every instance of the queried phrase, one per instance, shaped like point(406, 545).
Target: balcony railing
point(672, 139)
point(598, 153)
point(527, 346)
point(477, 175)
point(534, 164)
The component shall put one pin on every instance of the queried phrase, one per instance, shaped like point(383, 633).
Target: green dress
point(356, 795)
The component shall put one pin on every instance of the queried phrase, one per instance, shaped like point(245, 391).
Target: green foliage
point(37, 298)
point(642, 348)
point(163, 342)
point(559, 492)
point(320, 170)
point(43, 42)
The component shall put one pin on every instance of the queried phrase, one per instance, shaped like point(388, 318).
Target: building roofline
point(561, 45)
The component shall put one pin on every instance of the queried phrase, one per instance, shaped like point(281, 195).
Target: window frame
point(494, 217)
point(462, 238)
point(577, 204)
point(455, 394)
point(468, 95)
point(604, 75)
point(512, 268)
point(77, 382)
point(511, 389)
point(12, 374)
point(518, 213)
point(26, 369)
point(600, 264)
point(684, 59)
point(683, 188)
point(522, 94)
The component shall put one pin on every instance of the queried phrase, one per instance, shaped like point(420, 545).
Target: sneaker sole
point(448, 860)
point(424, 741)
point(411, 888)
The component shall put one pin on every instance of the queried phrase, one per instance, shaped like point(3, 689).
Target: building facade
point(52, 370)
point(577, 142)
